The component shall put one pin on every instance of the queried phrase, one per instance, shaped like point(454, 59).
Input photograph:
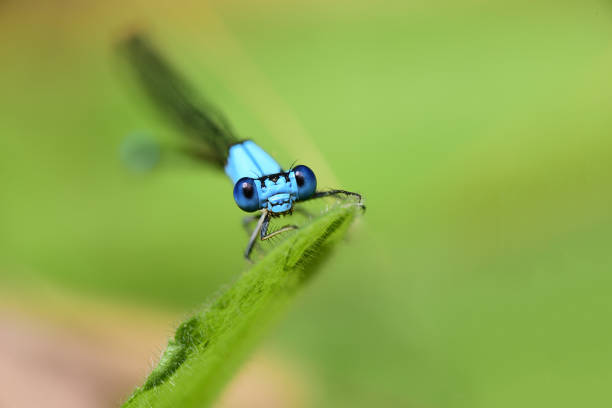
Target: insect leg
point(321, 194)
point(246, 220)
point(264, 230)
point(264, 218)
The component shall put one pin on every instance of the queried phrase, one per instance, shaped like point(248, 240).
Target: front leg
point(264, 218)
point(321, 194)
point(248, 219)
point(264, 229)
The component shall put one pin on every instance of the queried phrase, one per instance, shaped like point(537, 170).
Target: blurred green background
point(479, 133)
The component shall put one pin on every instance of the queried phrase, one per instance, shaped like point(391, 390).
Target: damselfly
point(260, 184)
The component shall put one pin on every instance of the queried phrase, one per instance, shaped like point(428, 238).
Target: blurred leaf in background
point(479, 133)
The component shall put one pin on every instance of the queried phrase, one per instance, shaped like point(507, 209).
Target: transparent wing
point(176, 98)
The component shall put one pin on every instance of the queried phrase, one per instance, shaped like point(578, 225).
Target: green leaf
point(208, 347)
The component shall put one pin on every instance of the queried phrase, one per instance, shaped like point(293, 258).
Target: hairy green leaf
point(209, 346)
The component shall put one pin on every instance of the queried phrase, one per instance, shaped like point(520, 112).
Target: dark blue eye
point(306, 181)
point(245, 194)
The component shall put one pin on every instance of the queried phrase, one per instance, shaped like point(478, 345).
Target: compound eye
point(247, 189)
point(306, 181)
point(245, 194)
